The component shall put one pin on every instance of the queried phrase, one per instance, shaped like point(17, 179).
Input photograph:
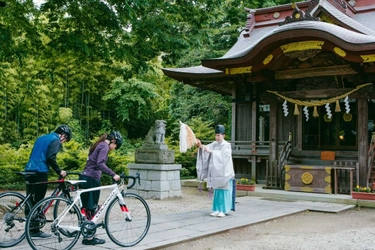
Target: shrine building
point(301, 77)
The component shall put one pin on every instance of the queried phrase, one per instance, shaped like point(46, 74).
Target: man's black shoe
point(40, 234)
point(94, 241)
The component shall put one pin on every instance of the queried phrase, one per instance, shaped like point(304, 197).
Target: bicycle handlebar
point(70, 173)
point(134, 178)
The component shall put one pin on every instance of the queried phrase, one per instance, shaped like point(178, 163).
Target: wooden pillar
point(254, 115)
point(299, 133)
point(363, 143)
point(234, 115)
point(274, 138)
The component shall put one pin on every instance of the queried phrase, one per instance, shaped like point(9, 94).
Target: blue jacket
point(44, 154)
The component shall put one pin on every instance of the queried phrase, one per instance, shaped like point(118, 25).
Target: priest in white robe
point(214, 163)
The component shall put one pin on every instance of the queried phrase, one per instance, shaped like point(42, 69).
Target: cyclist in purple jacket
point(95, 166)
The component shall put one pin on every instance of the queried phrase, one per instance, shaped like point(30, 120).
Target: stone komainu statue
point(156, 135)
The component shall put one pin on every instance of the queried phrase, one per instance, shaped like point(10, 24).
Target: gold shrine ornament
point(347, 117)
point(326, 119)
point(301, 46)
point(307, 178)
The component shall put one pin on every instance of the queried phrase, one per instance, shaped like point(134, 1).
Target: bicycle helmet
point(64, 129)
point(115, 135)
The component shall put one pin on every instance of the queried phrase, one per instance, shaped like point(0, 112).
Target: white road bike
point(126, 222)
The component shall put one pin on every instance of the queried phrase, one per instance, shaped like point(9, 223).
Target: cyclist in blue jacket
point(42, 157)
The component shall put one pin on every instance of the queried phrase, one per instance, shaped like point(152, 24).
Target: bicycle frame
point(115, 193)
point(55, 192)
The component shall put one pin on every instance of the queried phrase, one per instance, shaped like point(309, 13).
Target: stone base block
point(158, 181)
point(152, 156)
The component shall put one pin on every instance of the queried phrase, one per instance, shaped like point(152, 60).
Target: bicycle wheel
point(42, 218)
point(13, 211)
point(124, 231)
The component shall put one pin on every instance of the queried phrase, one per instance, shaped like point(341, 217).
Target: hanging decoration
point(317, 103)
point(296, 111)
point(337, 109)
point(285, 108)
point(347, 106)
point(306, 111)
point(328, 110)
point(315, 113)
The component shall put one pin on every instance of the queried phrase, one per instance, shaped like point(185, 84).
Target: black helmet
point(64, 129)
point(219, 129)
point(115, 135)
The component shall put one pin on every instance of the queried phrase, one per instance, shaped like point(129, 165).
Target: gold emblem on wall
point(368, 58)
point(300, 46)
point(326, 119)
point(339, 51)
point(307, 178)
point(240, 70)
point(267, 59)
point(287, 177)
point(325, 18)
point(347, 117)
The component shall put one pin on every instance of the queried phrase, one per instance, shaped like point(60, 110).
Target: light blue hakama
point(223, 199)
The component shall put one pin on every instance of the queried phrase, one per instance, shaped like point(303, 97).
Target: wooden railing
point(275, 169)
point(285, 152)
point(250, 148)
point(283, 158)
point(370, 161)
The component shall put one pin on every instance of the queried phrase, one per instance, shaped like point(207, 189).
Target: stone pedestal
point(154, 155)
point(158, 181)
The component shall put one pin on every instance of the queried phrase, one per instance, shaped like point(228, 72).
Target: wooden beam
point(313, 72)
point(317, 93)
point(369, 68)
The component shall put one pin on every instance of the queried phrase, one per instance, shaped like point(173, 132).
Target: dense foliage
point(95, 65)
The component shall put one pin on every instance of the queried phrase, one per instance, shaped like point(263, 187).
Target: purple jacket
point(96, 162)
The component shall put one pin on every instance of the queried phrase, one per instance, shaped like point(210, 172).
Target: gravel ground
point(352, 229)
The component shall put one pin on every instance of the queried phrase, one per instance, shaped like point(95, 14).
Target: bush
point(72, 158)
point(11, 162)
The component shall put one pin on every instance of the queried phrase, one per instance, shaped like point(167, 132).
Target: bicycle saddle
point(26, 173)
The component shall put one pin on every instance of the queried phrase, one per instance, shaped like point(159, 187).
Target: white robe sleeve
point(202, 164)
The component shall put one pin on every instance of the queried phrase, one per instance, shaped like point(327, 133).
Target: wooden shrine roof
point(339, 29)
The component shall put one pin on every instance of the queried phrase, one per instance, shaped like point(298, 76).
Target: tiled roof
point(245, 42)
point(367, 19)
point(348, 21)
point(348, 36)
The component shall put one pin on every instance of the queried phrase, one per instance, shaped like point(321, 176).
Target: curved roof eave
point(347, 36)
point(191, 72)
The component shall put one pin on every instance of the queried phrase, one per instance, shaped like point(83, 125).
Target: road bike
point(127, 218)
point(15, 206)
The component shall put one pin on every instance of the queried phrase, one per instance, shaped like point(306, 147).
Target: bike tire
point(43, 217)
point(123, 232)
point(12, 218)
